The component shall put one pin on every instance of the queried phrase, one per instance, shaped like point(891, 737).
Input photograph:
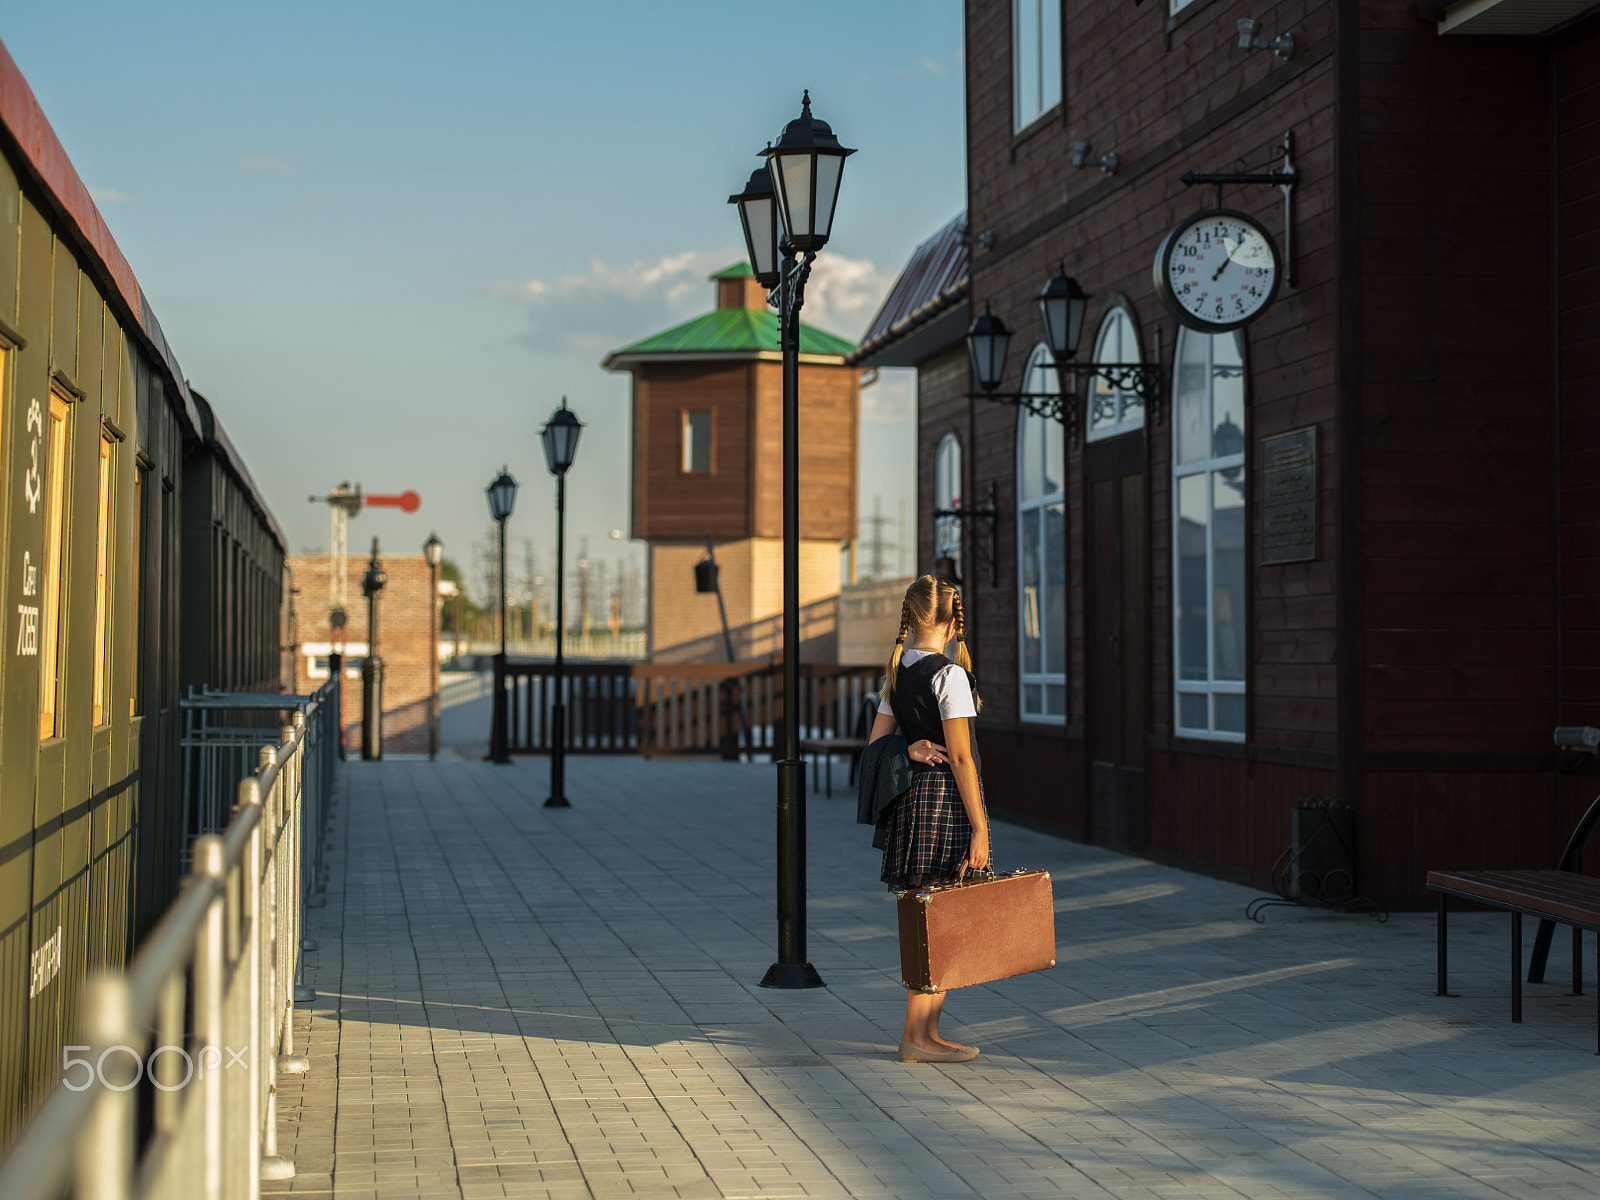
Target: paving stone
point(521, 1002)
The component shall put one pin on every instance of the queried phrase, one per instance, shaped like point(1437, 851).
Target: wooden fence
point(678, 708)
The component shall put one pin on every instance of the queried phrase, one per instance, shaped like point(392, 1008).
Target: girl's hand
point(978, 853)
point(927, 752)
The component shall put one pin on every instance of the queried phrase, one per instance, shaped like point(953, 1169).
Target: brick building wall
point(1416, 665)
point(404, 643)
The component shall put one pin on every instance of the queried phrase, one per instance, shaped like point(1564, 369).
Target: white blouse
point(950, 685)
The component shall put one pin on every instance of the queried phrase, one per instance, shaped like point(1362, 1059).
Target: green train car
point(139, 561)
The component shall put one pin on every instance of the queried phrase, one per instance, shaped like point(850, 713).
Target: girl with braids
point(938, 829)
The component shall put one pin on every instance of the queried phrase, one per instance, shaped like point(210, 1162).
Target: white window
point(947, 498)
point(1035, 59)
point(1209, 536)
point(696, 442)
point(1114, 410)
point(1041, 552)
point(1174, 7)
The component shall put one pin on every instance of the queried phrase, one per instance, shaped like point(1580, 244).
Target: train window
point(55, 459)
point(140, 473)
point(102, 542)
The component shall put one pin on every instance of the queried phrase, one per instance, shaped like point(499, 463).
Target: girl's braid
point(961, 620)
point(905, 622)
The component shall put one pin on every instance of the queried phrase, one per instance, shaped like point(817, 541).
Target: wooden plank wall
point(1169, 100)
point(1576, 70)
point(1459, 629)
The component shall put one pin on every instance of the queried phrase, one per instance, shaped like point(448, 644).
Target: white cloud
point(931, 67)
point(610, 306)
point(843, 294)
point(109, 196)
point(261, 164)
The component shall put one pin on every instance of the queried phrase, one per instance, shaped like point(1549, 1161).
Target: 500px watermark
point(128, 1066)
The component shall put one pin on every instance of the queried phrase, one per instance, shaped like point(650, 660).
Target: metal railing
point(677, 708)
point(201, 1022)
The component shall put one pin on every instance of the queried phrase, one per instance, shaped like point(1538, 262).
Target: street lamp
point(1062, 305)
point(758, 213)
point(433, 551)
point(502, 497)
point(560, 437)
point(372, 666)
point(803, 173)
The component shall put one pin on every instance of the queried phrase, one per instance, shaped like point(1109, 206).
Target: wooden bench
point(1555, 897)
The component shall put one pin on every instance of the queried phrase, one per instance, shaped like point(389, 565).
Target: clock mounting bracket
point(1284, 179)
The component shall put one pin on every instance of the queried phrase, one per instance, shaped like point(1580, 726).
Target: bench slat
point(1562, 895)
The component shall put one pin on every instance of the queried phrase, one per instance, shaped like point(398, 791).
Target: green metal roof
point(739, 270)
point(734, 330)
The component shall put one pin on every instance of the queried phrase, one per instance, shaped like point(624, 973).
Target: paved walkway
point(515, 1001)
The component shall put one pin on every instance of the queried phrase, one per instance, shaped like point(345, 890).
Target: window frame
point(1209, 469)
point(1039, 375)
point(685, 445)
point(947, 531)
point(57, 455)
point(1044, 59)
point(105, 503)
point(141, 500)
point(1116, 315)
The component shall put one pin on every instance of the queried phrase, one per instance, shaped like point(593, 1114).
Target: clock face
point(1217, 271)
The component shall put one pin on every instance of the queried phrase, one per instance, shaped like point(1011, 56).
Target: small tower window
point(696, 442)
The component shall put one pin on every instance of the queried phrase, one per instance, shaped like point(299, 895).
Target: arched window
point(1208, 466)
point(1114, 410)
point(1041, 552)
point(947, 498)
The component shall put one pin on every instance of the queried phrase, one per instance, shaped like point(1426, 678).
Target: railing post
point(208, 970)
point(105, 1145)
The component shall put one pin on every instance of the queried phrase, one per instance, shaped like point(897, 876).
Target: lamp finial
point(805, 103)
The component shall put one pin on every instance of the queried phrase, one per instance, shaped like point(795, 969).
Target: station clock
point(1217, 270)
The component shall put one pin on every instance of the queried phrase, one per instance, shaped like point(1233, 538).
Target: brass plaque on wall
point(1289, 497)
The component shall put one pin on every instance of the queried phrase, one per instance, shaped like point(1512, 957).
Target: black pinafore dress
point(928, 833)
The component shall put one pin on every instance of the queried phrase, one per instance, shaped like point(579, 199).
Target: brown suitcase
point(988, 927)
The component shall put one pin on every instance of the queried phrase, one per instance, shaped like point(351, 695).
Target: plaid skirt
point(928, 833)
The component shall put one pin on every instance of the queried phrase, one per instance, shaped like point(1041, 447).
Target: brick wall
point(403, 642)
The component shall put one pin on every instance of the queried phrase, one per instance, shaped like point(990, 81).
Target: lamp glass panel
point(560, 444)
point(795, 170)
point(988, 357)
point(1053, 313)
point(829, 167)
point(761, 235)
point(1077, 306)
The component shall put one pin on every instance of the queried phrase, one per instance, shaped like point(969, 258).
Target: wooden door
point(1116, 633)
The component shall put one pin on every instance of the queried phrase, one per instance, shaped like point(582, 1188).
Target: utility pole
point(876, 545)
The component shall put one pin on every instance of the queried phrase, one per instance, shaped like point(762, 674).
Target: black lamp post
point(372, 666)
point(502, 498)
point(802, 184)
point(433, 551)
point(560, 436)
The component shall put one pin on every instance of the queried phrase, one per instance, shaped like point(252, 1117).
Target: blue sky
point(385, 238)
